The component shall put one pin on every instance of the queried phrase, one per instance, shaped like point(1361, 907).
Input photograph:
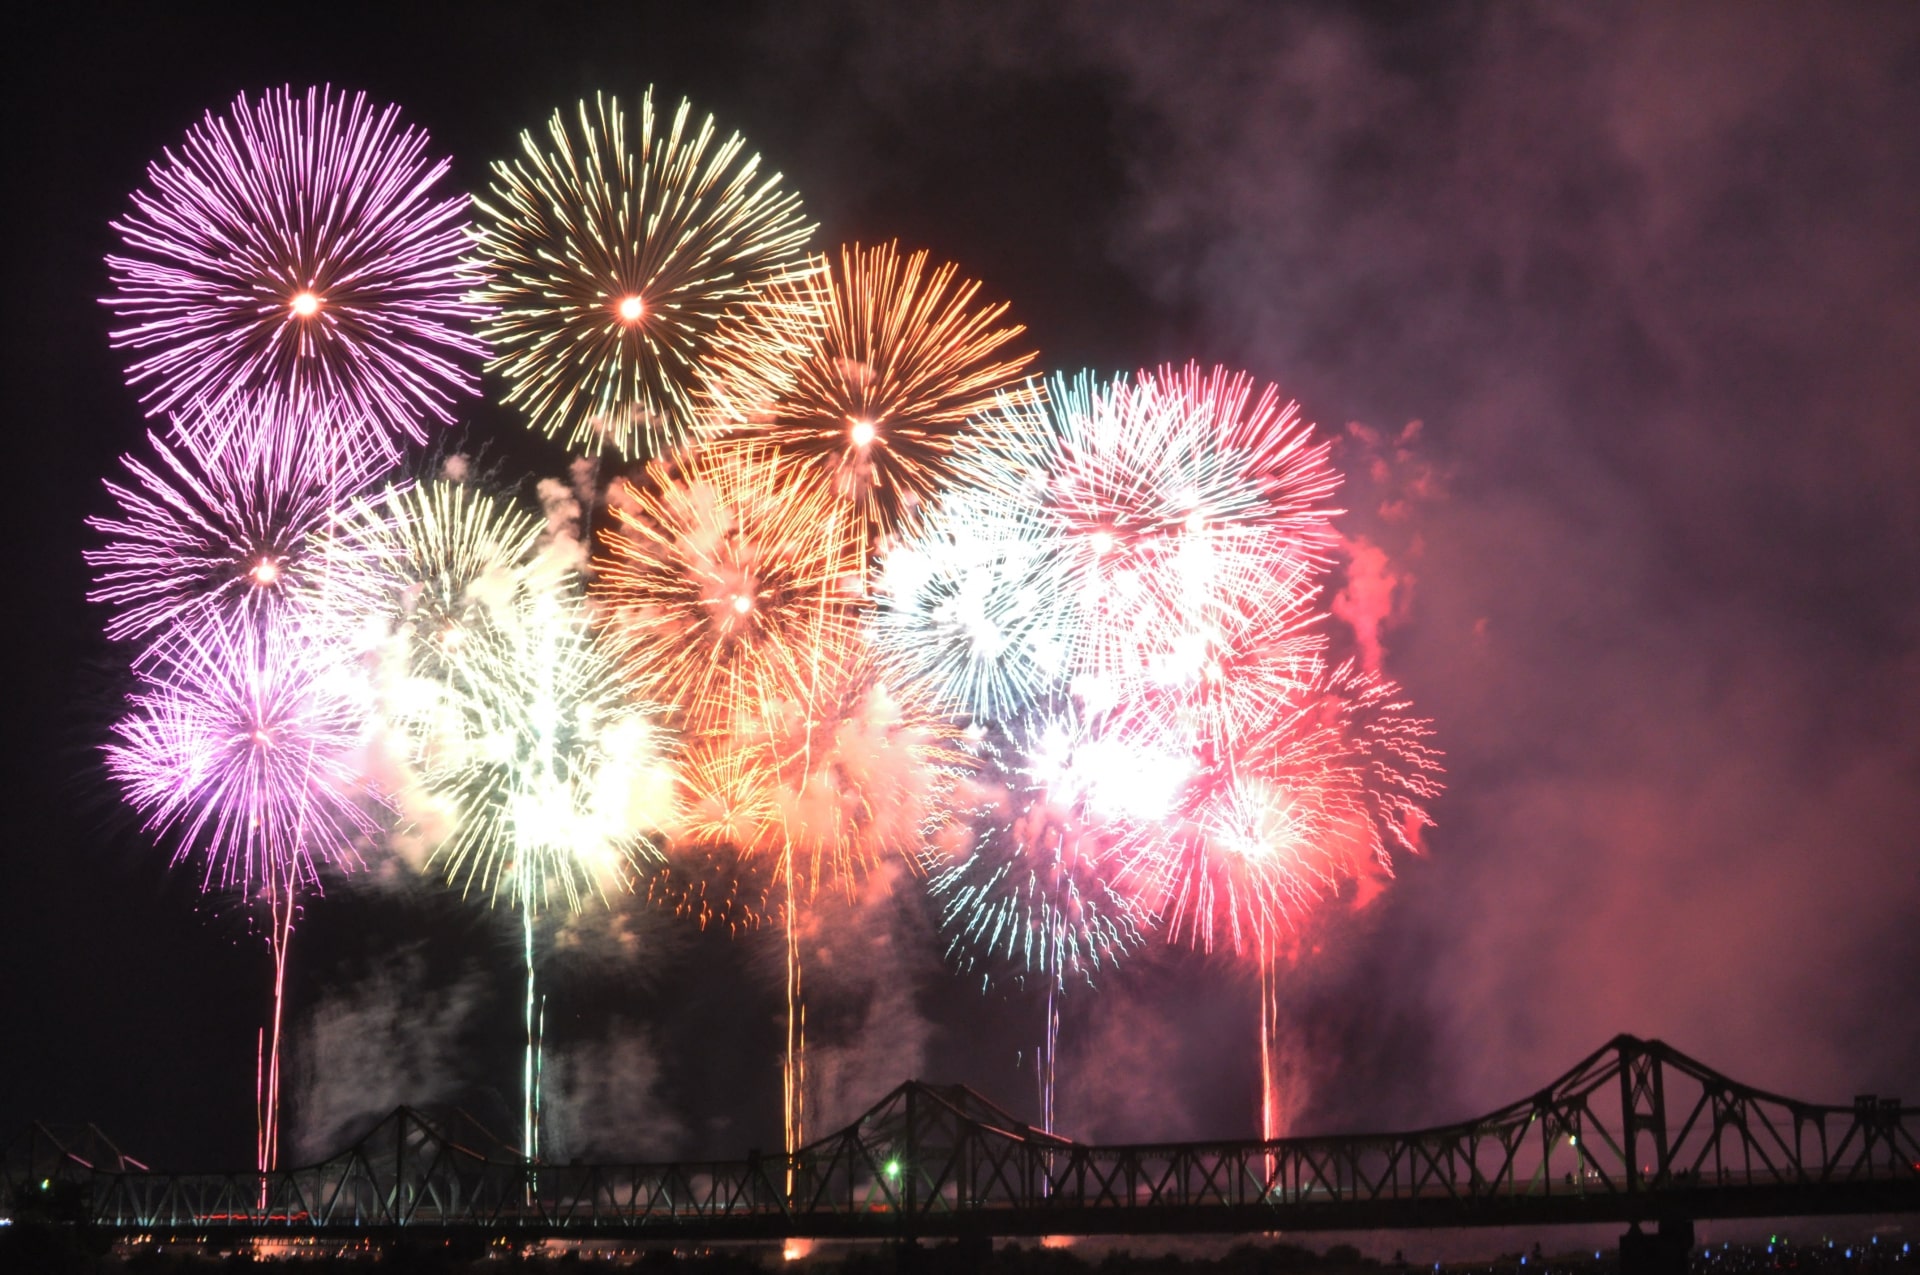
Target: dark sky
point(1647, 277)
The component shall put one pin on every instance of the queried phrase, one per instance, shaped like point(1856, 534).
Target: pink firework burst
point(242, 745)
point(1178, 501)
point(291, 246)
point(1274, 820)
point(217, 524)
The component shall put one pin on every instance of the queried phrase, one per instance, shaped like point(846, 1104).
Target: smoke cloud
point(862, 962)
point(1373, 597)
point(600, 1099)
point(1648, 276)
point(387, 1040)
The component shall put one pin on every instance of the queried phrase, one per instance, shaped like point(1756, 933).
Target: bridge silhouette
point(1637, 1132)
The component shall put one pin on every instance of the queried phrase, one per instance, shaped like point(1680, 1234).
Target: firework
point(1403, 768)
point(723, 585)
point(526, 774)
point(1264, 832)
point(617, 259)
point(242, 746)
point(218, 525)
point(1280, 817)
point(1031, 890)
point(973, 604)
point(825, 781)
point(1026, 883)
point(292, 248)
point(524, 767)
point(903, 359)
point(815, 785)
point(1177, 501)
point(403, 578)
point(1270, 820)
point(1216, 680)
point(857, 769)
point(549, 779)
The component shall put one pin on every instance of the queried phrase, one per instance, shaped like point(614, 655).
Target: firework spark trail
point(291, 247)
point(888, 380)
point(721, 584)
point(242, 747)
point(218, 526)
point(618, 259)
point(525, 772)
point(1402, 767)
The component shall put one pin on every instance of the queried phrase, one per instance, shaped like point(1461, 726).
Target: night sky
point(1615, 310)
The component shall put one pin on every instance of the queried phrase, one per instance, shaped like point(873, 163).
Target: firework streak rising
point(1060, 647)
point(241, 744)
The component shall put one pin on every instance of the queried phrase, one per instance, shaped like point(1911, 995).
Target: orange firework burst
point(898, 356)
point(727, 806)
point(811, 788)
point(827, 782)
point(721, 582)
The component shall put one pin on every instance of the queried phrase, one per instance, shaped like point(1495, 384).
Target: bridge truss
point(1635, 1132)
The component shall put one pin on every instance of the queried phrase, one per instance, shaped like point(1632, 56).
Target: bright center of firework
point(1102, 543)
point(262, 738)
point(265, 572)
point(862, 433)
point(306, 304)
point(630, 309)
point(742, 603)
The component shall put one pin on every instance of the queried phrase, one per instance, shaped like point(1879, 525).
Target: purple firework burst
point(243, 744)
point(215, 526)
point(292, 246)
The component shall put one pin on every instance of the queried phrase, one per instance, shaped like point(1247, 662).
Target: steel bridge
point(1636, 1132)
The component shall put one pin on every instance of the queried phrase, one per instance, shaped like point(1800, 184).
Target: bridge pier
point(1663, 1253)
